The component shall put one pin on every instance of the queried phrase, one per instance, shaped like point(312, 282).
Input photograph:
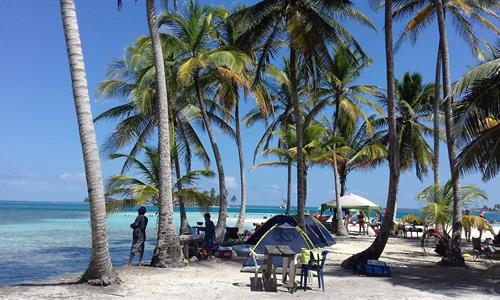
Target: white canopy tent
point(351, 201)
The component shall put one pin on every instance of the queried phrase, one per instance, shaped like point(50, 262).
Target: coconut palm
point(338, 89)
point(193, 33)
point(133, 79)
point(228, 91)
point(367, 148)
point(460, 10)
point(477, 116)
point(126, 191)
point(306, 27)
point(463, 13)
point(100, 270)
point(281, 115)
point(415, 108)
point(438, 203)
point(378, 245)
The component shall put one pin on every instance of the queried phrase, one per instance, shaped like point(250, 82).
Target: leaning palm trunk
point(100, 270)
point(377, 247)
point(301, 185)
point(167, 252)
point(221, 221)
point(455, 255)
point(288, 187)
point(243, 189)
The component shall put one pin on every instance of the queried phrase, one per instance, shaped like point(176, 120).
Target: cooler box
point(225, 252)
point(375, 268)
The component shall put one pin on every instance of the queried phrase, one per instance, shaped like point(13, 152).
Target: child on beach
point(138, 235)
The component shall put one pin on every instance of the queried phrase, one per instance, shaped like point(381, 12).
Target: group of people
point(139, 236)
point(362, 221)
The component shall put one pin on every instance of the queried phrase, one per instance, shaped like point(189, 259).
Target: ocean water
point(43, 241)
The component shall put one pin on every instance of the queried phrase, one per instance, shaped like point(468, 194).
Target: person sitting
point(375, 223)
point(361, 222)
point(208, 239)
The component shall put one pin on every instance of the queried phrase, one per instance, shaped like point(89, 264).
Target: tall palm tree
point(414, 106)
point(307, 27)
point(100, 270)
point(378, 245)
point(201, 66)
point(339, 89)
point(133, 78)
point(229, 95)
point(168, 250)
point(126, 191)
point(460, 11)
point(280, 117)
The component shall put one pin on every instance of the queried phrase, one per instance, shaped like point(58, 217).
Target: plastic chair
point(257, 283)
point(314, 265)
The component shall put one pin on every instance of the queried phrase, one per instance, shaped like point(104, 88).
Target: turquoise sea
point(51, 240)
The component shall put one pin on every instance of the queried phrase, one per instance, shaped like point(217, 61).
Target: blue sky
point(40, 154)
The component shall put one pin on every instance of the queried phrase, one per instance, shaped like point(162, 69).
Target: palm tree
point(200, 65)
point(366, 148)
point(339, 89)
point(459, 10)
point(438, 204)
point(228, 92)
point(124, 191)
point(168, 250)
point(378, 245)
point(414, 105)
point(477, 116)
point(100, 270)
point(133, 78)
point(308, 27)
point(462, 12)
point(280, 117)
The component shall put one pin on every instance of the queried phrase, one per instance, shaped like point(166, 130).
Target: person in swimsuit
point(138, 235)
point(361, 222)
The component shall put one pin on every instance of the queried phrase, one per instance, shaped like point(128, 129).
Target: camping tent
point(315, 231)
point(283, 234)
point(351, 201)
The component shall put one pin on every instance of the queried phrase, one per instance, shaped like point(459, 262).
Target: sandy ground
point(415, 275)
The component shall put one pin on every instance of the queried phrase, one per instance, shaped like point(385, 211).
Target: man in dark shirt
point(138, 235)
point(208, 240)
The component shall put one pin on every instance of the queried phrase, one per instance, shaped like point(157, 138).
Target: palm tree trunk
point(377, 247)
point(167, 252)
point(100, 270)
point(341, 229)
point(288, 187)
point(455, 256)
point(243, 188)
point(437, 102)
point(184, 229)
point(301, 196)
point(343, 183)
point(221, 221)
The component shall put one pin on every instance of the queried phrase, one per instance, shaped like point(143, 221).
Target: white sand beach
point(415, 275)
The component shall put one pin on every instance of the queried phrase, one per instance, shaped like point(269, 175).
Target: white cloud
point(73, 177)
point(275, 186)
point(231, 182)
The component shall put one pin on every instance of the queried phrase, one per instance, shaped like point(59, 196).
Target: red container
point(225, 252)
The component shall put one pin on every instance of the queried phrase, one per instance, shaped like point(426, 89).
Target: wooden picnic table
point(270, 282)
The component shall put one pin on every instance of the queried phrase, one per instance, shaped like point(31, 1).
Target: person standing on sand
point(208, 239)
point(361, 222)
point(347, 219)
point(138, 235)
point(468, 229)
